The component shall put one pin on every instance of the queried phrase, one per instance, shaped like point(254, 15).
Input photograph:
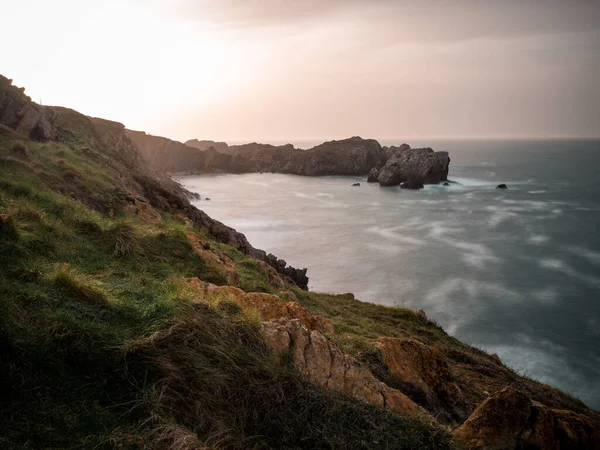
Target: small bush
point(124, 239)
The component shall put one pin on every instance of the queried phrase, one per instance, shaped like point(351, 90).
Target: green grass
point(101, 348)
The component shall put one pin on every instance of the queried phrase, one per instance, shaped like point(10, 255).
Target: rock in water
point(502, 186)
point(356, 184)
point(373, 174)
point(421, 164)
point(412, 184)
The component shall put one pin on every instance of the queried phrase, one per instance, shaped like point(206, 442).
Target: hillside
point(131, 319)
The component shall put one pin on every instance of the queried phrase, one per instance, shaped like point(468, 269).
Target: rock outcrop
point(20, 113)
point(290, 328)
point(424, 372)
point(269, 306)
point(416, 165)
point(353, 156)
point(322, 363)
point(510, 420)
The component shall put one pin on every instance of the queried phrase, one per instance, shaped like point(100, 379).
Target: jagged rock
point(392, 151)
point(426, 373)
point(423, 165)
point(268, 305)
point(322, 362)
point(20, 113)
point(412, 184)
point(502, 186)
point(215, 259)
point(509, 420)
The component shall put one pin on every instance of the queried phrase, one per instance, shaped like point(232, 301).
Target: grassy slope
point(100, 348)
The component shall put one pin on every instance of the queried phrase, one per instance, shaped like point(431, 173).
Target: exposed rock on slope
point(324, 364)
point(19, 113)
point(268, 305)
point(422, 165)
point(510, 420)
point(425, 372)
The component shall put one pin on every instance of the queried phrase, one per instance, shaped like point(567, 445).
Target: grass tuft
point(79, 287)
point(124, 238)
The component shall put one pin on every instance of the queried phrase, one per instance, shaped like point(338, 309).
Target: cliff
point(354, 156)
point(131, 319)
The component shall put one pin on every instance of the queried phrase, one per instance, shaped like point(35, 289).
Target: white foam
point(585, 253)
point(554, 264)
point(561, 266)
point(538, 239)
point(390, 233)
point(547, 296)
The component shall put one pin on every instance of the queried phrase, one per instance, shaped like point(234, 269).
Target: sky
point(283, 70)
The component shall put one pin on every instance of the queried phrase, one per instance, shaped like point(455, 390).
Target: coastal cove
point(514, 272)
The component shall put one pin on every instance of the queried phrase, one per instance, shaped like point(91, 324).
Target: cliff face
point(165, 154)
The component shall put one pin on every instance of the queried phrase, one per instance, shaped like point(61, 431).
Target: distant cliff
point(353, 156)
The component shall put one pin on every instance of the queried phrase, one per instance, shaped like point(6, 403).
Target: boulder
point(446, 183)
point(508, 419)
point(423, 370)
point(502, 186)
point(422, 165)
point(356, 184)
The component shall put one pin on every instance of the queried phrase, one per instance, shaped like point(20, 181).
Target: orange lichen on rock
point(268, 305)
point(214, 258)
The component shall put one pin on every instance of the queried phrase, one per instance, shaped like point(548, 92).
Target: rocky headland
point(390, 166)
point(131, 319)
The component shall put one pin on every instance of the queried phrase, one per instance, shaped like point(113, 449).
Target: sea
point(515, 272)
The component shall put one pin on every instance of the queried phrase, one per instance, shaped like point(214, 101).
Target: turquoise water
point(515, 272)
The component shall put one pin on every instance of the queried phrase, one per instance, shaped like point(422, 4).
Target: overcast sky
point(304, 69)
